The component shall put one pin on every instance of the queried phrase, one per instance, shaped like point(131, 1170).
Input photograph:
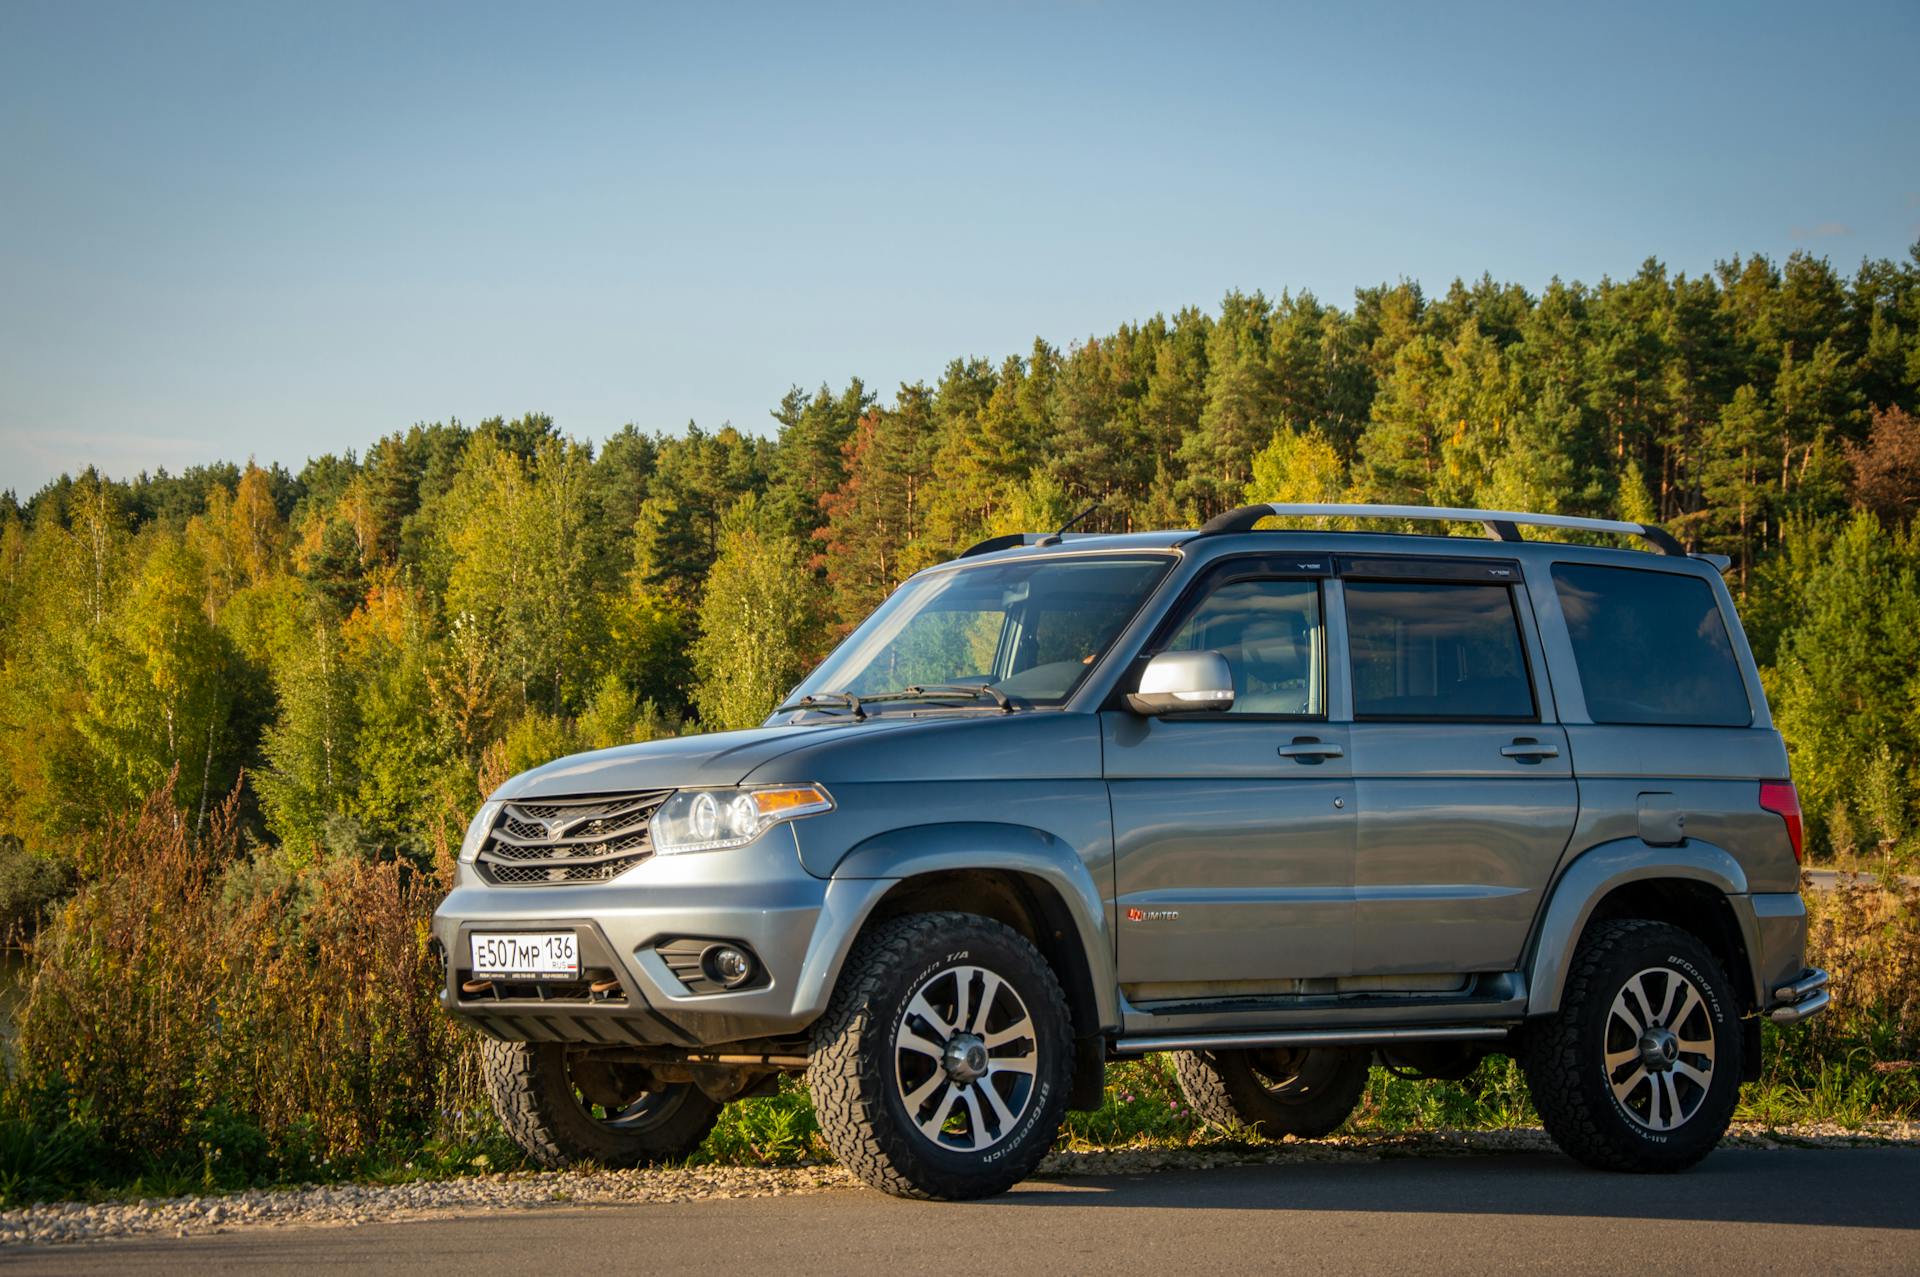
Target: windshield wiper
point(947, 691)
point(825, 701)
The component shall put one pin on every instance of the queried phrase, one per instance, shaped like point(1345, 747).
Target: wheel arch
point(1697, 887)
point(1024, 877)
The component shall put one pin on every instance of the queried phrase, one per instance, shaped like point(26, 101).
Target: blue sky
point(279, 230)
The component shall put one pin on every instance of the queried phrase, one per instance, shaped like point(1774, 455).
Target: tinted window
point(1652, 647)
point(1436, 651)
point(1269, 631)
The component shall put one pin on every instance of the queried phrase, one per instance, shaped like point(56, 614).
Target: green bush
point(29, 883)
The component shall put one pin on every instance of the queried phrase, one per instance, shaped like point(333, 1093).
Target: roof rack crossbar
point(1502, 525)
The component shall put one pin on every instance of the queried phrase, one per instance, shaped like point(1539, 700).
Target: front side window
point(1652, 648)
point(1431, 650)
point(1269, 631)
point(1031, 630)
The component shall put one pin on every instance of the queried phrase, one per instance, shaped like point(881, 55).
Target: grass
point(55, 1157)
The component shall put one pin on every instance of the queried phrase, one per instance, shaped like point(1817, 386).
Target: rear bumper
point(1806, 997)
point(1775, 923)
point(797, 926)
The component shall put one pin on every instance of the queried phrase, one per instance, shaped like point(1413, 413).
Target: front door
point(1465, 788)
point(1233, 831)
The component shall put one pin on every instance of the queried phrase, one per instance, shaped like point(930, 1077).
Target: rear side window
point(1652, 648)
point(1436, 651)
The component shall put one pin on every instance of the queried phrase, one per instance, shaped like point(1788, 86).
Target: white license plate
point(534, 953)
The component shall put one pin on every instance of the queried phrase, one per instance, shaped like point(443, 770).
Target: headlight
point(478, 828)
point(712, 819)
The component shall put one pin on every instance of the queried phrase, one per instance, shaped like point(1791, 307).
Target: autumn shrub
point(1861, 1058)
point(192, 1001)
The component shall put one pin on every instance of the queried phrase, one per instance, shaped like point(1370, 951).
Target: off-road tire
point(1564, 1055)
point(852, 1070)
point(1226, 1090)
point(534, 1097)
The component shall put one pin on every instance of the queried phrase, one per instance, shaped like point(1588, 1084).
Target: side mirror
point(1183, 681)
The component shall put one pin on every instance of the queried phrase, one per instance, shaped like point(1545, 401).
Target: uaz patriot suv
point(1281, 802)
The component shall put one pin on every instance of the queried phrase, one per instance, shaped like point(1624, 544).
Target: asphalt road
point(1742, 1211)
point(1828, 879)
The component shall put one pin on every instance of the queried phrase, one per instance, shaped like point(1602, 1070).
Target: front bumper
point(797, 925)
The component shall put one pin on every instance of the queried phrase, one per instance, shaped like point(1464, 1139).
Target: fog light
point(729, 966)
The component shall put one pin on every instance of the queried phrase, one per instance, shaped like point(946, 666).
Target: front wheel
point(1640, 1068)
point(565, 1108)
point(940, 1068)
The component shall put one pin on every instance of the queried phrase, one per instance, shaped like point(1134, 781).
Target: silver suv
point(1280, 802)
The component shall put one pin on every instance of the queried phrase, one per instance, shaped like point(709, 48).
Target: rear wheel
point(940, 1068)
point(1306, 1092)
point(1640, 1068)
point(564, 1107)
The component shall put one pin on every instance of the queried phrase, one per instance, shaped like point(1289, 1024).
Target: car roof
point(1320, 540)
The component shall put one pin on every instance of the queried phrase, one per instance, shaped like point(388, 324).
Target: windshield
point(1028, 630)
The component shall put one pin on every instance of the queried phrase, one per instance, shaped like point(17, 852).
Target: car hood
point(961, 746)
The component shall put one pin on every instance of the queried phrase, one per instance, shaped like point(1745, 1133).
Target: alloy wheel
point(1660, 1048)
point(965, 1055)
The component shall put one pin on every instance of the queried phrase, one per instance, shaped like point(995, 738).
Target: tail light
point(1778, 797)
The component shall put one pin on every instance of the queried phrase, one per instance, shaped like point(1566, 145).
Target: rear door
point(1233, 832)
point(1465, 787)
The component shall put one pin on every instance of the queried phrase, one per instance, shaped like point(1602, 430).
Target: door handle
point(1529, 751)
point(1311, 750)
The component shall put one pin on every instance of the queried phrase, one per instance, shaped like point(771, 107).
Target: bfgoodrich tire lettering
point(932, 1011)
point(1640, 1068)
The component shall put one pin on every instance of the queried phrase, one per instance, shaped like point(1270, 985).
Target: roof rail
point(1502, 525)
point(1008, 540)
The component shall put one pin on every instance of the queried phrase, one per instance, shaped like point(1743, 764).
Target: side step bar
point(1141, 1045)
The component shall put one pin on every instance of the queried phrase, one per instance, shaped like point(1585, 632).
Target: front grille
point(568, 840)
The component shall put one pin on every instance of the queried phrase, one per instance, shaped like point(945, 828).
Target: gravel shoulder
point(350, 1205)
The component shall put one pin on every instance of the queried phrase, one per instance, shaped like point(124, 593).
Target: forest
point(289, 690)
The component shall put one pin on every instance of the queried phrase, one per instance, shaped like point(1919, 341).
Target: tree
point(1815, 406)
point(876, 520)
point(1886, 470)
point(1297, 466)
point(755, 622)
point(158, 692)
point(1170, 407)
point(401, 751)
point(1848, 682)
point(810, 461)
point(389, 494)
point(1242, 405)
point(1400, 451)
point(518, 539)
point(1733, 478)
point(310, 748)
point(696, 480)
